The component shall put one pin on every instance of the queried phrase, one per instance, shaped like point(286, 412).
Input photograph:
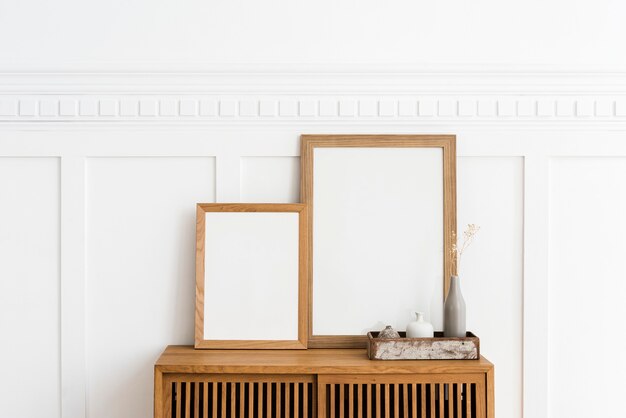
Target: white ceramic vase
point(419, 328)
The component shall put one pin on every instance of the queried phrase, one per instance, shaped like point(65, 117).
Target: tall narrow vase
point(454, 311)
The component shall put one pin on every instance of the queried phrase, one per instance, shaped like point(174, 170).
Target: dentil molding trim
point(277, 96)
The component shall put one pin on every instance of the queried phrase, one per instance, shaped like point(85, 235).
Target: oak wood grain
point(185, 359)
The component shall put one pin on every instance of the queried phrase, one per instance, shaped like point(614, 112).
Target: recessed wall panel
point(587, 286)
point(270, 179)
point(30, 385)
point(491, 194)
point(140, 283)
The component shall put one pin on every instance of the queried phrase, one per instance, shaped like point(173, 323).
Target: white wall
point(117, 117)
point(136, 279)
point(160, 34)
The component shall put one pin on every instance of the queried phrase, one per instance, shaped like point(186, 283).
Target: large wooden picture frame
point(251, 276)
point(382, 213)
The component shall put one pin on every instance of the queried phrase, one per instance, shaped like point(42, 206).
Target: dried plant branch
point(456, 252)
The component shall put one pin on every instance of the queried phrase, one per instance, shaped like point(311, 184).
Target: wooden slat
point(441, 400)
point(305, 401)
point(451, 400)
point(332, 400)
point(459, 405)
point(179, 400)
point(251, 399)
point(396, 401)
point(278, 400)
point(205, 400)
point(287, 398)
point(261, 392)
point(321, 399)
point(214, 400)
point(269, 400)
point(379, 405)
point(351, 400)
point(314, 403)
point(342, 400)
point(432, 401)
point(405, 398)
point(233, 399)
point(468, 387)
point(187, 399)
point(196, 400)
point(360, 399)
point(167, 403)
point(369, 400)
point(224, 387)
point(414, 400)
point(423, 394)
point(296, 399)
point(387, 396)
point(242, 399)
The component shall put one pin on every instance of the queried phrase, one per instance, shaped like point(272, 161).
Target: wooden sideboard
point(324, 383)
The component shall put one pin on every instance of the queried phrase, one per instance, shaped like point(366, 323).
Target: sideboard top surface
point(186, 359)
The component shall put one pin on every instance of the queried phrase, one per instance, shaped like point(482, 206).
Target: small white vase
point(419, 328)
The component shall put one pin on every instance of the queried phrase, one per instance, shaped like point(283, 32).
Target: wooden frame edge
point(199, 312)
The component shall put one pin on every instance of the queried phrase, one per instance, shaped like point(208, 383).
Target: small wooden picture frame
point(251, 276)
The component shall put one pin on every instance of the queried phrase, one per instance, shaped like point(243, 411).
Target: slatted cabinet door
point(238, 396)
point(402, 396)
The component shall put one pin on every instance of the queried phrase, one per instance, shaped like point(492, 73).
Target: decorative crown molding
point(294, 96)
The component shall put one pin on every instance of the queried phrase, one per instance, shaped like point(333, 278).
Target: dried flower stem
point(457, 252)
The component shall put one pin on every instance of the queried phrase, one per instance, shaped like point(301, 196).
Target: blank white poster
point(377, 238)
point(251, 276)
